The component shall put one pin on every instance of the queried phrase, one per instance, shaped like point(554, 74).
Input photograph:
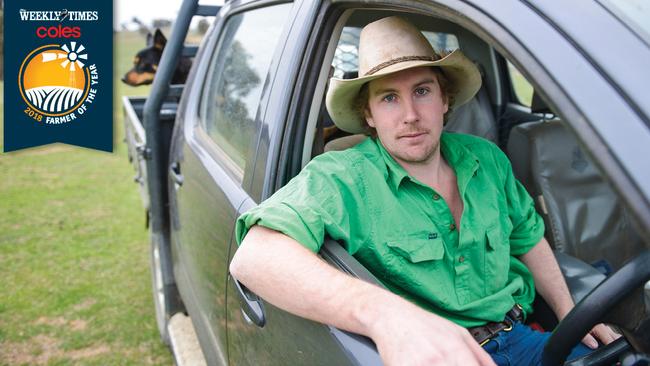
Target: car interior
point(584, 217)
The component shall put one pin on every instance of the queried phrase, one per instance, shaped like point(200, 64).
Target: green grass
point(74, 255)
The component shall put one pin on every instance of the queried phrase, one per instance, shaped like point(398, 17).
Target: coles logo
point(54, 80)
point(58, 32)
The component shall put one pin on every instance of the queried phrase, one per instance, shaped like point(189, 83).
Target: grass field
point(74, 253)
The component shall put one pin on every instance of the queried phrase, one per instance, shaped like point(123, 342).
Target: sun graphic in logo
point(53, 79)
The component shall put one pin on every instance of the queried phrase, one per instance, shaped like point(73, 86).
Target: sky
point(147, 10)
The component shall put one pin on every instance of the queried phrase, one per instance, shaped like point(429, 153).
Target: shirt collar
point(460, 158)
point(394, 172)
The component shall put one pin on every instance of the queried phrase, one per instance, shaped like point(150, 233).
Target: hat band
point(401, 59)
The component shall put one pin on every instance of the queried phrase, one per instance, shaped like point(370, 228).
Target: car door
point(213, 154)
point(281, 340)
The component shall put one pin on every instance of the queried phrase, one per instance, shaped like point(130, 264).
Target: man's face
point(407, 109)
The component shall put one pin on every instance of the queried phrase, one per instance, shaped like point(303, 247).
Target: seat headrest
point(344, 142)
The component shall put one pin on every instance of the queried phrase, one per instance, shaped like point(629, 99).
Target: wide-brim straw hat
point(387, 46)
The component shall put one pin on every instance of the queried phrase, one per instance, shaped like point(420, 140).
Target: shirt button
point(436, 197)
point(461, 259)
point(452, 227)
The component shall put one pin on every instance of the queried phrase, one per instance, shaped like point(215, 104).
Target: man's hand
point(416, 337)
point(601, 332)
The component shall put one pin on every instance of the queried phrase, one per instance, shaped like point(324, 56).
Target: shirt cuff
point(523, 240)
point(283, 218)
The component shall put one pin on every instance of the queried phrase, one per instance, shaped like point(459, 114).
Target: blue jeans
point(523, 346)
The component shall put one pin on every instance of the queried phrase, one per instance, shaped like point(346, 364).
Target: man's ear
point(445, 106)
point(159, 40)
point(149, 40)
point(369, 120)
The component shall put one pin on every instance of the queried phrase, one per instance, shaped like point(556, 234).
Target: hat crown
point(390, 40)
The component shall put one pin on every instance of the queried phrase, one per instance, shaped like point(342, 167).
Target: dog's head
point(146, 61)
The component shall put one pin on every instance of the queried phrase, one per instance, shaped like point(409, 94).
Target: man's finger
point(605, 334)
point(590, 341)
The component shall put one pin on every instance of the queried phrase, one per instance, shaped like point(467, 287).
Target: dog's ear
point(149, 40)
point(159, 40)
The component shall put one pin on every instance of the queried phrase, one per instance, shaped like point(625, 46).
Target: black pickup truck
point(565, 95)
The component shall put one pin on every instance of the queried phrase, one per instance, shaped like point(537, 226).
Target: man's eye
point(389, 98)
point(421, 91)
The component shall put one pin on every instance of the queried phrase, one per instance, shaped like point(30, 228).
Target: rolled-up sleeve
point(315, 202)
point(303, 224)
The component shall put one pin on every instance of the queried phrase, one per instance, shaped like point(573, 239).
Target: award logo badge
point(61, 61)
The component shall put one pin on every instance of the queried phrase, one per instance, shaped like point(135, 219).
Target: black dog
point(146, 62)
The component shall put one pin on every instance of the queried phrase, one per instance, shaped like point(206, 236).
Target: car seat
point(583, 215)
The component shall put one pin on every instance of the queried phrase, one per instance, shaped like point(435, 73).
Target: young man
point(437, 217)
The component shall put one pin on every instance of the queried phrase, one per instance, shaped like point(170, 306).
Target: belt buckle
point(508, 328)
point(493, 333)
point(512, 317)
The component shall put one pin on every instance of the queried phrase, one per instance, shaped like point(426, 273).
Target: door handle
point(251, 305)
point(175, 174)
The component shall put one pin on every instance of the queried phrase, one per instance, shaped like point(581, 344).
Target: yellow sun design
point(54, 79)
point(42, 70)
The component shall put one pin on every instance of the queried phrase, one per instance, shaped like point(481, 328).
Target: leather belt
point(485, 333)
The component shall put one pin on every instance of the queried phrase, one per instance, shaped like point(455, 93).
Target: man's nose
point(410, 111)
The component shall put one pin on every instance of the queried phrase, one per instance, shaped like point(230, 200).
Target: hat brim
point(461, 73)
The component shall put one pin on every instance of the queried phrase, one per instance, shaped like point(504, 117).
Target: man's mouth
point(412, 135)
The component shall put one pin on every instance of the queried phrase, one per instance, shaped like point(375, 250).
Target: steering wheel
point(590, 311)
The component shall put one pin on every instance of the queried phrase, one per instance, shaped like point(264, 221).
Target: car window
point(521, 86)
point(346, 63)
point(442, 41)
point(235, 80)
point(346, 54)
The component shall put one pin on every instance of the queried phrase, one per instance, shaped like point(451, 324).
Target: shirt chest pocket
point(414, 263)
point(418, 250)
point(497, 259)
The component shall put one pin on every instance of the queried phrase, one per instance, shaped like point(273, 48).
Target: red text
point(58, 32)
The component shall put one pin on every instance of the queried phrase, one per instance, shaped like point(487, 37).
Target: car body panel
point(620, 54)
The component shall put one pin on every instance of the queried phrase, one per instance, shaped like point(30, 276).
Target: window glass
point(442, 41)
point(523, 89)
point(346, 58)
point(236, 78)
point(346, 62)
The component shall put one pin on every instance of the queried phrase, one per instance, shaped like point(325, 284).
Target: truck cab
point(571, 115)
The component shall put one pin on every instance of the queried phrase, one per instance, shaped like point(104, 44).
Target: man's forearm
point(298, 281)
point(549, 281)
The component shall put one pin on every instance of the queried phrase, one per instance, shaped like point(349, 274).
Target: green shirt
point(404, 233)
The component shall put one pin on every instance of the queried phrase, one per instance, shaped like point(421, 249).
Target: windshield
point(633, 13)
